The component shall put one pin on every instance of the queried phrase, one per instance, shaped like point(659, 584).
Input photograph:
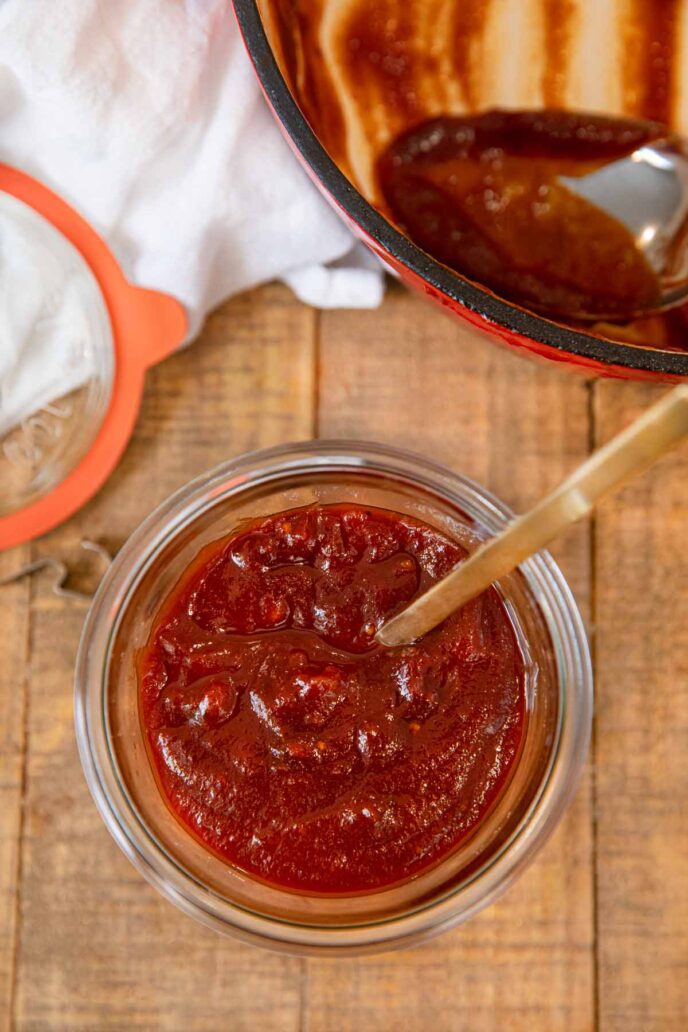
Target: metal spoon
point(655, 432)
point(647, 191)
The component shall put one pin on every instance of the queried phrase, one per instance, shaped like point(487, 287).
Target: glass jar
point(112, 745)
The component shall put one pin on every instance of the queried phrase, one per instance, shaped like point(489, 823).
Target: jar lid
point(75, 341)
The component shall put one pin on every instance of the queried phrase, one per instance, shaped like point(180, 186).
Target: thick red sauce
point(294, 746)
point(484, 195)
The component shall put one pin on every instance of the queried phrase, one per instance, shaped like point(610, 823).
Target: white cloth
point(147, 117)
point(53, 339)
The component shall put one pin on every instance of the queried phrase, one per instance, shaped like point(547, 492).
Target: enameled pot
point(475, 306)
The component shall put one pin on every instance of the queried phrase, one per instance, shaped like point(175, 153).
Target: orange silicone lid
point(146, 327)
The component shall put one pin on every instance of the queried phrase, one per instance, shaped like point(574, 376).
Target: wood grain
point(414, 379)
point(641, 616)
point(98, 948)
point(14, 635)
point(85, 944)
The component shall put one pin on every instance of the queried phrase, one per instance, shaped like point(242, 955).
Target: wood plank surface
point(417, 380)
point(593, 935)
point(641, 616)
point(14, 636)
point(98, 948)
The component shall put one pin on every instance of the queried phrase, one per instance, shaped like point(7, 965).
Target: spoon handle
point(631, 452)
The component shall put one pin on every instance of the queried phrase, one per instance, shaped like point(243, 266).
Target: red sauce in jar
point(295, 747)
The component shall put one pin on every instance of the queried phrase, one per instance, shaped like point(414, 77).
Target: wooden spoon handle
point(629, 453)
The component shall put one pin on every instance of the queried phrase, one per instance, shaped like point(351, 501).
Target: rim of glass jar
point(545, 582)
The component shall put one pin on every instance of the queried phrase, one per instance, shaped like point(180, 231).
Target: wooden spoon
point(629, 453)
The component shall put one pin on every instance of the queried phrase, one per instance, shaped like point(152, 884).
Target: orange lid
point(57, 450)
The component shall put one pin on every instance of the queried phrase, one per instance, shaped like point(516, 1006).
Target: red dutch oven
point(503, 322)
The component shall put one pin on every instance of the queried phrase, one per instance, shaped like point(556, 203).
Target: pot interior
point(363, 74)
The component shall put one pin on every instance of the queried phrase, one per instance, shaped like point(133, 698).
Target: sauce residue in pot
point(367, 76)
point(484, 194)
point(291, 744)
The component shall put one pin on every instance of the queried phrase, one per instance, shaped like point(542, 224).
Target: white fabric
point(147, 117)
point(52, 339)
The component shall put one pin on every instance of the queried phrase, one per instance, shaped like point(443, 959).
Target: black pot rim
point(482, 302)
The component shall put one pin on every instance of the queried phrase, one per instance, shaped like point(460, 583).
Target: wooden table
point(595, 935)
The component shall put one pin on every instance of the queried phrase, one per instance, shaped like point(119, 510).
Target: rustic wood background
point(595, 935)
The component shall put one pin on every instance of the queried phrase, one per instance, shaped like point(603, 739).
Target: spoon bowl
point(647, 192)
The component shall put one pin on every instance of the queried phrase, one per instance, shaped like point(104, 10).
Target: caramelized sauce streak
point(379, 55)
point(289, 743)
point(287, 42)
point(382, 59)
point(558, 16)
point(470, 19)
point(651, 31)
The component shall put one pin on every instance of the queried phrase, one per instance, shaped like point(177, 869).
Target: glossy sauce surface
point(295, 747)
point(485, 195)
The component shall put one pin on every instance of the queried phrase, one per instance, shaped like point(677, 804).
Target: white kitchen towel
point(146, 116)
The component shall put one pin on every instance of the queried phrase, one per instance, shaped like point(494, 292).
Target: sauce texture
point(485, 195)
point(290, 743)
